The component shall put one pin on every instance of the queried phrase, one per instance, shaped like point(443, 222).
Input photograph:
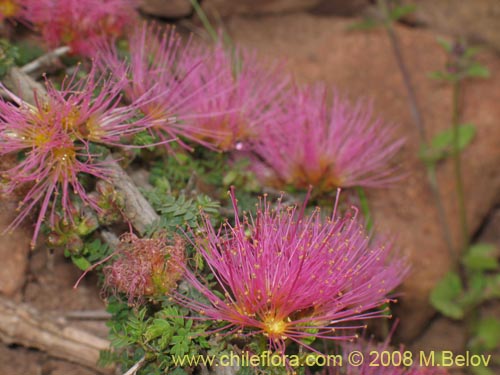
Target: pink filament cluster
point(207, 95)
point(290, 276)
point(54, 138)
point(230, 100)
point(79, 23)
point(244, 99)
point(327, 144)
point(158, 67)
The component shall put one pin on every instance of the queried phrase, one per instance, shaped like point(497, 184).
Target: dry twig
point(137, 208)
point(45, 60)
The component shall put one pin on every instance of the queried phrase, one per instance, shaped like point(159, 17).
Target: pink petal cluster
point(146, 267)
point(244, 99)
point(79, 23)
point(53, 138)
point(327, 144)
point(291, 276)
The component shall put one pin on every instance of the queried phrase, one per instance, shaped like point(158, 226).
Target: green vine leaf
point(477, 70)
point(444, 140)
point(81, 262)
point(492, 288)
point(442, 144)
point(481, 370)
point(446, 45)
point(159, 328)
point(441, 76)
point(481, 257)
point(365, 25)
point(445, 295)
point(488, 333)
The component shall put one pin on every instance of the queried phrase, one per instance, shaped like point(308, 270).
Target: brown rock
point(341, 8)
point(361, 64)
point(56, 367)
point(442, 334)
point(55, 275)
point(20, 361)
point(491, 231)
point(14, 249)
point(255, 7)
point(475, 20)
point(166, 8)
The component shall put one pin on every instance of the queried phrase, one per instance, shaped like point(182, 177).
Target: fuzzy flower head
point(159, 66)
point(54, 139)
point(289, 276)
point(244, 98)
point(80, 23)
point(326, 144)
point(146, 267)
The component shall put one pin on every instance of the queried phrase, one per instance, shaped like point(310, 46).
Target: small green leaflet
point(442, 144)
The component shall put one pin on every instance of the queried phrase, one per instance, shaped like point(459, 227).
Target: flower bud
point(146, 267)
point(88, 224)
point(74, 243)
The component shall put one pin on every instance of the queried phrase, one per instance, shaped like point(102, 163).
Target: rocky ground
point(314, 37)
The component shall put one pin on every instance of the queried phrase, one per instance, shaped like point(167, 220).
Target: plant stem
point(138, 365)
point(472, 317)
point(214, 34)
point(45, 60)
point(365, 208)
point(418, 121)
point(457, 159)
point(433, 182)
point(396, 49)
point(204, 20)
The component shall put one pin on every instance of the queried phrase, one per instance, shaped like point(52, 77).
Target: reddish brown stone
point(14, 249)
point(166, 8)
point(476, 20)
point(257, 7)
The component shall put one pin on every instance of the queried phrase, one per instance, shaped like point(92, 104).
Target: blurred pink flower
point(53, 139)
point(159, 67)
point(205, 94)
point(80, 23)
point(326, 144)
point(290, 276)
point(244, 99)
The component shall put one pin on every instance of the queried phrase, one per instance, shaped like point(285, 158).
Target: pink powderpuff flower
point(291, 276)
point(53, 138)
point(159, 67)
point(146, 267)
point(326, 144)
point(252, 103)
point(80, 23)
